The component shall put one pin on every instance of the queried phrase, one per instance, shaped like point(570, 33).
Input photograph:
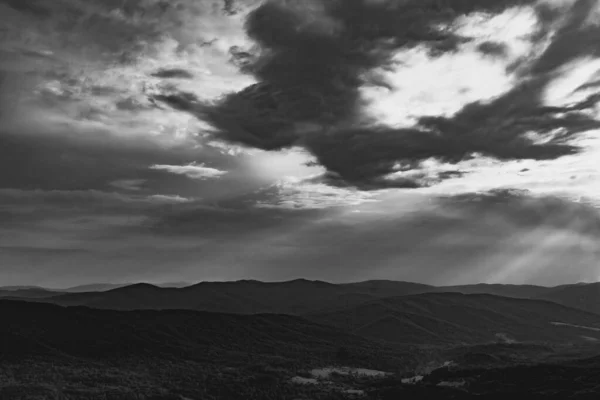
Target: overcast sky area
point(436, 141)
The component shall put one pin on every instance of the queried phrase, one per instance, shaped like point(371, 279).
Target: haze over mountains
point(456, 318)
point(40, 292)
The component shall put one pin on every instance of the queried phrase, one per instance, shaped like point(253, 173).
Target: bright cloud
point(307, 194)
point(573, 83)
point(442, 85)
point(194, 171)
point(575, 177)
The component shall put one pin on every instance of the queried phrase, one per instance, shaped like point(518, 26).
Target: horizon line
point(184, 284)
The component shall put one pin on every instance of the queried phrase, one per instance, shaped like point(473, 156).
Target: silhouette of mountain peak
point(136, 286)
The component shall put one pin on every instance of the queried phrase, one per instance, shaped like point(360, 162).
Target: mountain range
point(300, 296)
point(390, 311)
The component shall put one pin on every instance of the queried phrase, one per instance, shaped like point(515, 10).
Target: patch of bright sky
point(564, 91)
point(575, 177)
point(192, 171)
point(285, 164)
point(302, 194)
point(425, 85)
point(428, 172)
point(295, 185)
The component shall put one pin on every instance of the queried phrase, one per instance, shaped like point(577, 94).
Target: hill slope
point(585, 296)
point(453, 318)
point(49, 351)
point(518, 291)
point(36, 329)
point(28, 293)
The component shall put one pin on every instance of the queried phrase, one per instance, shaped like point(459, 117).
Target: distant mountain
point(174, 284)
point(245, 297)
point(94, 287)
point(385, 288)
point(519, 291)
point(300, 296)
point(21, 291)
point(454, 318)
point(6, 288)
point(102, 287)
point(31, 293)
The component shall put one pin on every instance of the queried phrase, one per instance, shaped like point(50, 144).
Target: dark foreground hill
point(77, 353)
point(454, 318)
point(37, 329)
point(202, 355)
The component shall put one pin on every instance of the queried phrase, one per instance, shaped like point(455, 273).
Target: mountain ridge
point(297, 296)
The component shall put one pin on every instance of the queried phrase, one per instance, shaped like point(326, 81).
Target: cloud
point(48, 203)
point(36, 8)
point(128, 184)
point(81, 46)
point(77, 86)
point(506, 237)
point(192, 171)
point(310, 193)
point(169, 199)
point(314, 60)
point(521, 208)
point(36, 157)
point(494, 49)
point(306, 112)
point(176, 73)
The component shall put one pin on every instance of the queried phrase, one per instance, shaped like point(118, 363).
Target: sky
point(436, 141)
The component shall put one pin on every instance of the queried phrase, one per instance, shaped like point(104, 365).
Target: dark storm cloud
point(86, 209)
point(233, 217)
point(74, 200)
point(87, 159)
point(57, 236)
point(495, 49)
point(35, 7)
point(314, 56)
point(177, 73)
point(154, 215)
